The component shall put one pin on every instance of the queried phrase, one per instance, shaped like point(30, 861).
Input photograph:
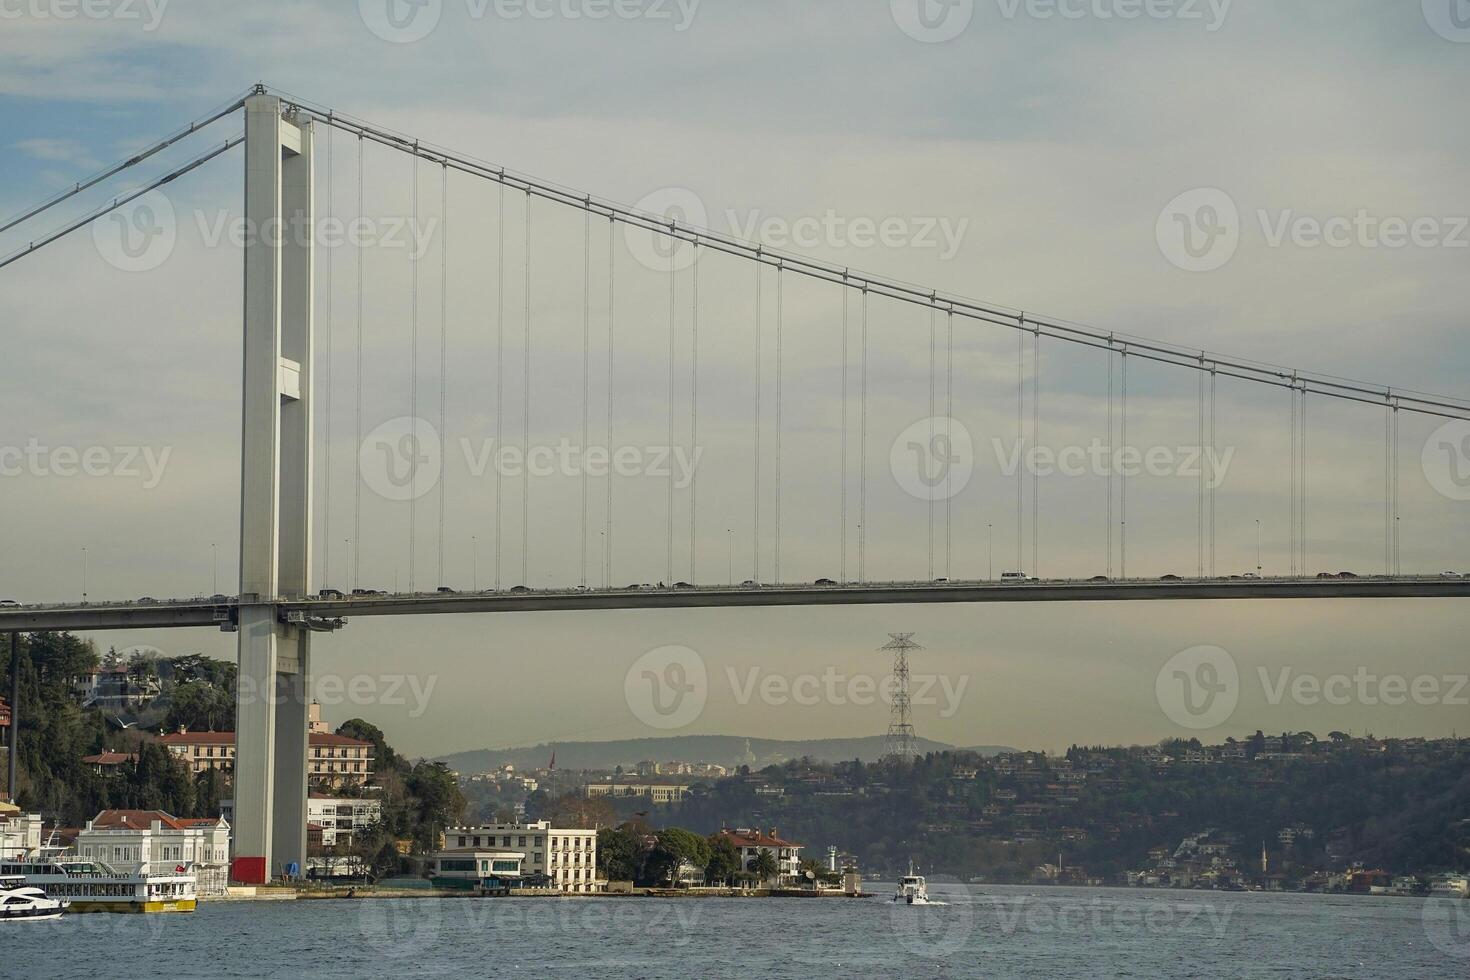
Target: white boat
point(912, 890)
point(91, 886)
point(20, 902)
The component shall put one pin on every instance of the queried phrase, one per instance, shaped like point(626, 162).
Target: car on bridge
point(825, 583)
point(1011, 578)
point(9, 604)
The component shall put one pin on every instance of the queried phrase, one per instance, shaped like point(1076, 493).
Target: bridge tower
point(274, 687)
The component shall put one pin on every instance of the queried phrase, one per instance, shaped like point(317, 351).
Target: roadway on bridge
point(220, 611)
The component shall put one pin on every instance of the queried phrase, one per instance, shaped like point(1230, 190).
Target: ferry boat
point(20, 902)
point(912, 889)
point(91, 886)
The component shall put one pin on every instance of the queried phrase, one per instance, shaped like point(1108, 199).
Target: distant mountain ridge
point(725, 750)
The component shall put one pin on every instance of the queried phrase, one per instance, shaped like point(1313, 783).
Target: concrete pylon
point(274, 688)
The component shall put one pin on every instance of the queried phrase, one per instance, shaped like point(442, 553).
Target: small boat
point(22, 902)
point(912, 890)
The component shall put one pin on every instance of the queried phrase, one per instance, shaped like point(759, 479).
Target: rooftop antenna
point(899, 743)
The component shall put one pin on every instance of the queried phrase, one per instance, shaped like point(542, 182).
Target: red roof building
point(750, 843)
point(332, 759)
point(108, 763)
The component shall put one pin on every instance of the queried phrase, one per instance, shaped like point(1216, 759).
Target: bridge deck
point(204, 612)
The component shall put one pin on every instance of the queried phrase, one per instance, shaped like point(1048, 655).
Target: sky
point(1275, 182)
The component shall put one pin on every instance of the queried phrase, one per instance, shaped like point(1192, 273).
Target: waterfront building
point(568, 858)
point(750, 842)
point(490, 868)
point(340, 817)
point(151, 842)
point(333, 760)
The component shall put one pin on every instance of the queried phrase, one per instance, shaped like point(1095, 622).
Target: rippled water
point(986, 931)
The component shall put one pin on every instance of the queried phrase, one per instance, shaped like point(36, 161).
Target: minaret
point(1264, 868)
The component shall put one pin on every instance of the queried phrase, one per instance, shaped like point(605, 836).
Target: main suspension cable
point(117, 168)
point(122, 201)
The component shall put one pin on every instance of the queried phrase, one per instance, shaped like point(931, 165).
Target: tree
point(434, 789)
point(620, 854)
point(764, 865)
point(673, 848)
point(724, 860)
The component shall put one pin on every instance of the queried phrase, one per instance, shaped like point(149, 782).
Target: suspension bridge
point(700, 288)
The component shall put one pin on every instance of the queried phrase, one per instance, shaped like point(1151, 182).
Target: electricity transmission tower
point(899, 743)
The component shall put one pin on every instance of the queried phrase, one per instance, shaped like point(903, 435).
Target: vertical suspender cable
point(669, 446)
point(1292, 541)
point(586, 369)
point(1123, 470)
point(694, 417)
point(949, 470)
point(1306, 472)
point(526, 413)
point(327, 380)
point(499, 374)
point(1036, 441)
point(1214, 476)
point(863, 450)
point(842, 480)
point(1398, 530)
point(1020, 444)
point(1112, 461)
point(611, 446)
point(924, 461)
point(1387, 485)
point(413, 381)
point(1199, 514)
point(756, 505)
point(357, 483)
point(780, 401)
point(443, 350)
